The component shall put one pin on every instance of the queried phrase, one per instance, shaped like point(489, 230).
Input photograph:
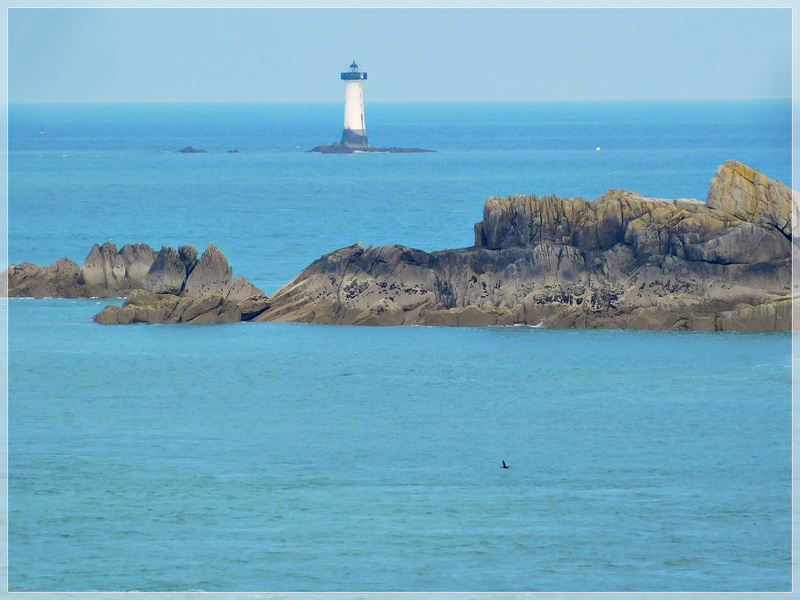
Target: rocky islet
point(619, 261)
point(337, 148)
point(166, 286)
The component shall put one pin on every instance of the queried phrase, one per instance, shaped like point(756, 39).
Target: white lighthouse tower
point(355, 131)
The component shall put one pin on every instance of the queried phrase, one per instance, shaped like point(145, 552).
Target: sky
point(296, 54)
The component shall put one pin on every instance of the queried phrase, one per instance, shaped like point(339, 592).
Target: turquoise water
point(285, 457)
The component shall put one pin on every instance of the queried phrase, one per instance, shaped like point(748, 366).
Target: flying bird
point(505, 466)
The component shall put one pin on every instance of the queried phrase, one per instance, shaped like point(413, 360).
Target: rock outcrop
point(337, 148)
point(190, 150)
point(167, 273)
point(211, 275)
point(620, 261)
point(168, 286)
point(146, 307)
point(107, 269)
point(58, 280)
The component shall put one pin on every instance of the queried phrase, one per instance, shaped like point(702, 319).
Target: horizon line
point(379, 101)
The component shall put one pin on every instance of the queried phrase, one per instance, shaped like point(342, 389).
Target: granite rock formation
point(105, 268)
point(619, 261)
point(167, 273)
point(145, 307)
point(167, 286)
point(211, 275)
point(58, 280)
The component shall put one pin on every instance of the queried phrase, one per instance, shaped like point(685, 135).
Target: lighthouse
point(354, 134)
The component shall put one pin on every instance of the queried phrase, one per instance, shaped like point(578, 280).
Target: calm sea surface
point(286, 457)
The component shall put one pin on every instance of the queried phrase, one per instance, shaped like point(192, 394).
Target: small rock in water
point(190, 150)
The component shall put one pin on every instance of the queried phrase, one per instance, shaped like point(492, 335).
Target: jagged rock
point(746, 194)
point(243, 289)
point(211, 275)
point(105, 273)
point(58, 280)
point(169, 286)
point(152, 282)
point(167, 274)
point(618, 261)
point(104, 268)
point(137, 259)
point(111, 273)
point(146, 307)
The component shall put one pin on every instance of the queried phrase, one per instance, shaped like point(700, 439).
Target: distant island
point(190, 150)
point(619, 261)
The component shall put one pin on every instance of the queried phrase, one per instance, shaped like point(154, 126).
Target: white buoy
point(598, 148)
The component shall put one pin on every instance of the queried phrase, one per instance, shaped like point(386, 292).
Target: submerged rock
point(620, 261)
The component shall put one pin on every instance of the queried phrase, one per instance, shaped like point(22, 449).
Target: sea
point(274, 458)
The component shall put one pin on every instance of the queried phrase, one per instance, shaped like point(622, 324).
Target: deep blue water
point(284, 457)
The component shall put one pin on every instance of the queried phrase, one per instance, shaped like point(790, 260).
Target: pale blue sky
point(252, 55)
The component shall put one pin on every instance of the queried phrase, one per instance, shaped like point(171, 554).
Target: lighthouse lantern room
point(354, 134)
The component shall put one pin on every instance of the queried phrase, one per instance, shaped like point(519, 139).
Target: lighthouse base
point(339, 149)
point(356, 139)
